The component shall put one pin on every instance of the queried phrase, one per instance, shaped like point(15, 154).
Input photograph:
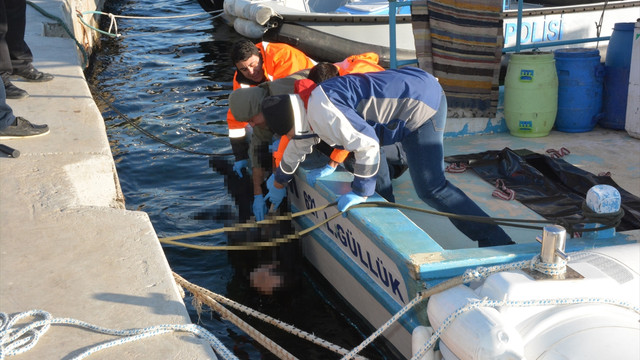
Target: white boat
point(379, 259)
point(331, 30)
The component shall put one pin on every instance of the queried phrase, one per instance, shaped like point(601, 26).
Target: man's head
point(248, 60)
point(246, 104)
point(284, 114)
point(323, 71)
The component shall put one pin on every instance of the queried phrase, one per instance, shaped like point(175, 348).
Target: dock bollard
point(602, 199)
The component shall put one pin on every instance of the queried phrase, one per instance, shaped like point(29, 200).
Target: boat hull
point(333, 37)
point(378, 259)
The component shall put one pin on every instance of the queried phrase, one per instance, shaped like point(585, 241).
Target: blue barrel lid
point(624, 26)
point(576, 53)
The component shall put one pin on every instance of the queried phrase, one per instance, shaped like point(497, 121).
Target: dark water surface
point(172, 77)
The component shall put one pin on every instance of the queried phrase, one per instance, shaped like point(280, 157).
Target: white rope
point(113, 24)
point(469, 275)
point(513, 303)
point(14, 341)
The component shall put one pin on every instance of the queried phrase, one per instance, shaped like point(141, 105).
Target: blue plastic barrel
point(580, 84)
point(617, 65)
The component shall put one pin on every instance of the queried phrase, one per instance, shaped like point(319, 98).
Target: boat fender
point(480, 333)
point(420, 336)
point(248, 28)
point(250, 10)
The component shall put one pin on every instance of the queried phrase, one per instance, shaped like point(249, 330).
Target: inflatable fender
point(481, 333)
point(248, 28)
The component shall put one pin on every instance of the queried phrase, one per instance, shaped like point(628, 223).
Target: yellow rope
point(250, 245)
point(287, 238)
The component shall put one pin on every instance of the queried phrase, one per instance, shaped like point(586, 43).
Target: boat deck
point(600, 150)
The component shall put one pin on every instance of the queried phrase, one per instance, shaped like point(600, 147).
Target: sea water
point(171, 77)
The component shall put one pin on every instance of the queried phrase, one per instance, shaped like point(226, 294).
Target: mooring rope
point(482, 273)
point(113, 24)
point(85, 56)
point(212, 300)
point(469, 275)
point(152, 136)
point(14, 341)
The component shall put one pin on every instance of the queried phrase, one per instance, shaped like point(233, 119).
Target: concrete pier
point(68, 246)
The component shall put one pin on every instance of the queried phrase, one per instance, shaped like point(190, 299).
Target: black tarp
point(549, 186)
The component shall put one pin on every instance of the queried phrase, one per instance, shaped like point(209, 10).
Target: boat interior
point(598, 151)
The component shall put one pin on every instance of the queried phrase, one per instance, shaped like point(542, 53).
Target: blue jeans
point(425, 156)
point(6, 114)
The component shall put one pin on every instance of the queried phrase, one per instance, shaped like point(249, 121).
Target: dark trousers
point(14, 51)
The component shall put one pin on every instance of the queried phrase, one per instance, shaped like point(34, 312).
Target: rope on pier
point(14, 340)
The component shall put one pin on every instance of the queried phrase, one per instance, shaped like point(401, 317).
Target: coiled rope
point(14, 341)
point(213, 300)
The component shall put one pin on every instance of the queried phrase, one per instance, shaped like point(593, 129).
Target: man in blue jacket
point(359, 113)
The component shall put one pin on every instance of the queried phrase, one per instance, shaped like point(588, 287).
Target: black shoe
point(23, 129)
point(32, 74)
point(14, 92)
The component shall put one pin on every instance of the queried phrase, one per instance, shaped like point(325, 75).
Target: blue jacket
point(360, 112)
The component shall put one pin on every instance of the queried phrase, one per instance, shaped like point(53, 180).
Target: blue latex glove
point(274, 146)
point(275, 195)
point(239, 165)
point(349, 199)
point(314, 174)
point(259, 207)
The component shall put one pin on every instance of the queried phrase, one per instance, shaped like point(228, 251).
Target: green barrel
point(531, 94)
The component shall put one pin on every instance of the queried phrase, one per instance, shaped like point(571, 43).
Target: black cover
point(551, 187)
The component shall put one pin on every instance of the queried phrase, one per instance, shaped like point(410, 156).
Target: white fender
point(248, 28)
point(480, 333)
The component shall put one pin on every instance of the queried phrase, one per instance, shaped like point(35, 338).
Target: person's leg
point(6, 114)
point(11, 91)
point(19, 51)
point(425, 157)
point(396, 159)
point(21, 56)
point(383, 178)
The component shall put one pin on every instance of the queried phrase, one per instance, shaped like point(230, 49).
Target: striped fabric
point(460, 42)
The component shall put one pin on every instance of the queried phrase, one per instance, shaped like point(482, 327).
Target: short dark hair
point(242, 50)
point(323, 71)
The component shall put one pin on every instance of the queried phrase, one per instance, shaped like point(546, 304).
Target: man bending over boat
point(245, 104)
point(359, 113)
point(255, 64)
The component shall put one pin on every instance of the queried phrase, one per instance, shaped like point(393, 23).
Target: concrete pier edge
point(68, 246)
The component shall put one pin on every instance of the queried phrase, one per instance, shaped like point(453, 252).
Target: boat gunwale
point(571, 9)
point(342, 18)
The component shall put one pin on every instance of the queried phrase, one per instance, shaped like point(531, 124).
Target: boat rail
point(510, 13)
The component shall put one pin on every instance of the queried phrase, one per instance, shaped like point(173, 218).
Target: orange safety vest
point(354, 64)
point(278, 61)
